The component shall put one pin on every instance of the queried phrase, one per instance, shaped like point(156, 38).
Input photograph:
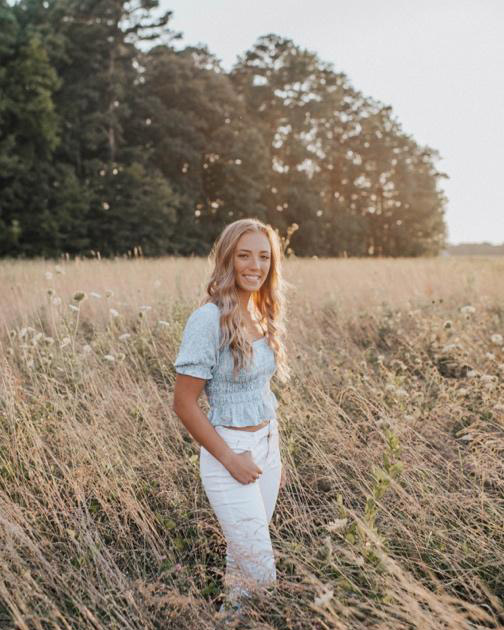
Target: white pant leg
point(269, 481)
point(267, 456)
point(245, 510)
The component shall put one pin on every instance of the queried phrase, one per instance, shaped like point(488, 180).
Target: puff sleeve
point(198, 351)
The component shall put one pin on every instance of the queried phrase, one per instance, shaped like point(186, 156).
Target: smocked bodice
point(246, 401)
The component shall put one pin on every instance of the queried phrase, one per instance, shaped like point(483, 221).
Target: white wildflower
point(450, 347)
point(95, 295)
point(36, 338)
point(64, 342)
point(124, 337)
point(72, 307)
point(48, 275)
point(496, 339)
point(467, 310)
point(162, 322)
point(22, 333)
point(490, 356)
point(86, 348)
point(472, 373)
point(467, 437)
point(462, 391)
point(49, 341)
point(113, 312)
point(401, 392)
point(397, 364)
point(336, 525)
point(56, 301)
point(145, 307)
point(109, 357)
point(389, 387)
point(325, 598)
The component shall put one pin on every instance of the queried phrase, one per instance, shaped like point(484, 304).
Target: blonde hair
point(269, 300)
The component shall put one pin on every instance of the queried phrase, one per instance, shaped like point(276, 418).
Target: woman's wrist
point(227, 457)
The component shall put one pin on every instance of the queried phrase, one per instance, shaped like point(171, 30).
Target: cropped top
point(246, 401)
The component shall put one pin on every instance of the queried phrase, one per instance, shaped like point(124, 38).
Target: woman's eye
point(246, 256)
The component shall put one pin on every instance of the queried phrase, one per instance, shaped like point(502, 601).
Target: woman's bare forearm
point(201, 429)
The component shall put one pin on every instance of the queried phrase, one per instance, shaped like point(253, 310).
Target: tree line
point(113, 138)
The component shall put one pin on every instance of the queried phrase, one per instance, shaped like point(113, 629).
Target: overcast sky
point(438, 63)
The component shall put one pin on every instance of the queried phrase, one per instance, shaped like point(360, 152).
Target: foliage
point(89, 88)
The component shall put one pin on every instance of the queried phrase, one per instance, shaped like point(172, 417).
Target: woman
point(231, 346)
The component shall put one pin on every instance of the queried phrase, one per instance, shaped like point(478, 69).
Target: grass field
point(392, 432)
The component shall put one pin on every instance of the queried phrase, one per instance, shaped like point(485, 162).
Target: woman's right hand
point(243, 468)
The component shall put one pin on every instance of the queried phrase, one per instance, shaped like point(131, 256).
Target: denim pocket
point(237, 444)
point(236, 441)
point(240, 448)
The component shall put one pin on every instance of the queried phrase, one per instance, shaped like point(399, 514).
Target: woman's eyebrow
point(264, 251)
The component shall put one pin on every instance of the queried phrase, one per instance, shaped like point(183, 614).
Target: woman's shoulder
point(205, 316)
point(208, 310)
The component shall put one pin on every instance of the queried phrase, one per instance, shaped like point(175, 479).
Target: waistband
point(246, 436)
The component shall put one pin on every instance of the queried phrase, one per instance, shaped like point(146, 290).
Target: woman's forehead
point(254, 241)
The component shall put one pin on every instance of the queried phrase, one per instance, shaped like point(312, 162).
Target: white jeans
point(245, 510)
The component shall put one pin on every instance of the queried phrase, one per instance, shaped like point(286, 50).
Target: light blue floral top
point(247, 401)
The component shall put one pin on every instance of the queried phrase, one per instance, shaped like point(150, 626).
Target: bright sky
point(438, 63)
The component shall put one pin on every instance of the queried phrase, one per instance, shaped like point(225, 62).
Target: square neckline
point(260, 339)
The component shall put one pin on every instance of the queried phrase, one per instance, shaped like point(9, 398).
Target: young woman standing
point(231, 347)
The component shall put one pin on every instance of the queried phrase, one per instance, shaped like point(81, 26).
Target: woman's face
point(252, 261)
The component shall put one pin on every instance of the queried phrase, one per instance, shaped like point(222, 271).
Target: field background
point(392, 432)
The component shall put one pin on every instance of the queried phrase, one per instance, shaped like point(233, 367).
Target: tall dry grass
point(392, 430)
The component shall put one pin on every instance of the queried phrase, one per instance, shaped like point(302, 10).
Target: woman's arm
point(185, 405)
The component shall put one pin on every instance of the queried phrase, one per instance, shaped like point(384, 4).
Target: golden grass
point(392, 429)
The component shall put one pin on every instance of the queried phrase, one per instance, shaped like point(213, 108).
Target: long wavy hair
point(268, 301)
